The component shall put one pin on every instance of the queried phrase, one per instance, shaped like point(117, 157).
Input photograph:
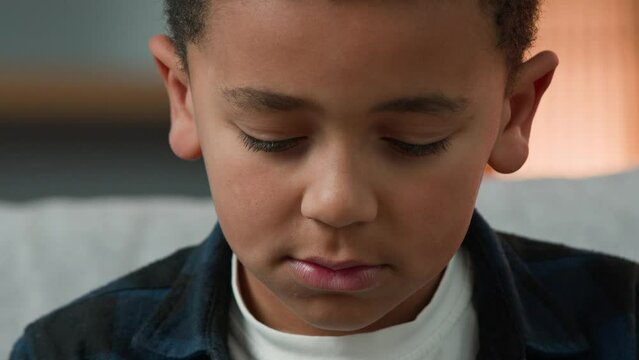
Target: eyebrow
point(252, 99)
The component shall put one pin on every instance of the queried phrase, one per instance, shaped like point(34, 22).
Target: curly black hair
point(515, 21)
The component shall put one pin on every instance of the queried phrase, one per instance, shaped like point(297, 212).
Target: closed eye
point(254, 144)
point(408, 149)
point(419, 149)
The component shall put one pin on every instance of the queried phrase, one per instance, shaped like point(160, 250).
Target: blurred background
point(588, 123)
point(82, 111)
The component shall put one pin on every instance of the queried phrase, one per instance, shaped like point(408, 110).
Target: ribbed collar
point(516, 315)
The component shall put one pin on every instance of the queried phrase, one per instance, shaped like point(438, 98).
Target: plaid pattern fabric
point(534, 300)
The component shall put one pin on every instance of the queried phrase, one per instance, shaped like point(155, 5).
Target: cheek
point(252, 199)
point(435, 208)
point(436, 213)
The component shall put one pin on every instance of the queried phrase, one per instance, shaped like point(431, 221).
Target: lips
point(334, 265)
point(344, 276)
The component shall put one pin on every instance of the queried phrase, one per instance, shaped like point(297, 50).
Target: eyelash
point(418, 150)
point(413, 150)
point(254, 144)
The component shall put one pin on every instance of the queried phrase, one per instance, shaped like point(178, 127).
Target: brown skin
point(344, 192)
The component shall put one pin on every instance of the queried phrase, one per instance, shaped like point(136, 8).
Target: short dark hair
point(515, 22)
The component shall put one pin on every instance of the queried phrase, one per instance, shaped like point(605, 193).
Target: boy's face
point(376, 74)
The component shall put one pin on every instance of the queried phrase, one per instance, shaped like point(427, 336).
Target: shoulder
point(103, 321)
point(597, 288)
point(546, 257)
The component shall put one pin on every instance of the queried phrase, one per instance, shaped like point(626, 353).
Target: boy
point(345, 142)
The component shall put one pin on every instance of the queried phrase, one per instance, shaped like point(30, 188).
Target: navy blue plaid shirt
point(534, 300)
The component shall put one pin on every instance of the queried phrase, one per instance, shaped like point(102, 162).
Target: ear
point(511, 148)
point(183, 137)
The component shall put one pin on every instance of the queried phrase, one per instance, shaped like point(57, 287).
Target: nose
point(340, 192)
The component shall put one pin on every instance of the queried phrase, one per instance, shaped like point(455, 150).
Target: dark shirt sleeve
point(637, 314)
point(21, 351)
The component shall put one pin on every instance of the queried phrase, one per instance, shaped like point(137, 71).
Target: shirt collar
point(515, 313)
point(193, 318)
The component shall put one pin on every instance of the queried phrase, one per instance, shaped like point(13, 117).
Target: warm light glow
point(588, 122)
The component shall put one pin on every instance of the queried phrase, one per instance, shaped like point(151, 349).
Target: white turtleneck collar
point(445, 329)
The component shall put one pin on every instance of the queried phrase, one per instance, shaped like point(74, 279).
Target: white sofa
point(54, 250)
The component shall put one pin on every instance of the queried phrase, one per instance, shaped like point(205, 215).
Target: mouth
point(342, 276)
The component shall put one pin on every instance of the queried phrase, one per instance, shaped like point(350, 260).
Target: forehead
point(344, 48)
